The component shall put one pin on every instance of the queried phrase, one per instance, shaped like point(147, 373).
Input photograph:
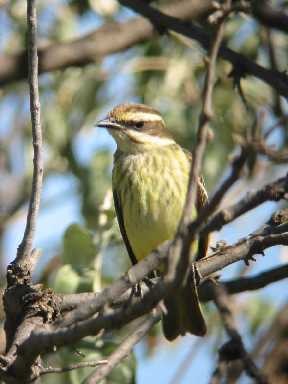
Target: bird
point(149, 182)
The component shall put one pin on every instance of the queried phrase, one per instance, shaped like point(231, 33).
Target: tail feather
point(183, 313)
point(171, 323)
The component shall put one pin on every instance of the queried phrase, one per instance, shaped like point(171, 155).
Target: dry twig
point(25, 248)
point(125, 348)
point(179, 261)
point(82, 364)
point(235, 348)
point(242, 65)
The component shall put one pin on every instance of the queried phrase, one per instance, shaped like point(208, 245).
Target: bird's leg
point(148, 281)
point(137, 289)
point(196, 275)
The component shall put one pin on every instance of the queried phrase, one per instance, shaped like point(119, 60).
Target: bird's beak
point(108, 124)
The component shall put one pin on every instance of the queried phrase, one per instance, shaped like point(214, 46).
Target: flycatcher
point(150, 180)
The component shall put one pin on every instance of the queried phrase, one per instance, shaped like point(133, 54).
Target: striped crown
point(140, 117)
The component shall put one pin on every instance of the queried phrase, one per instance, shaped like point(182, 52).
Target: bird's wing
point(201, 201)
point(202, 195)
point(119, 214)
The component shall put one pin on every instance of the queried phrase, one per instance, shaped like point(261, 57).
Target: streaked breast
point(152, 188)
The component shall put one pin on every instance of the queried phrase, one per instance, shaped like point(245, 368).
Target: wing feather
point(201, 201)
point(119, 214)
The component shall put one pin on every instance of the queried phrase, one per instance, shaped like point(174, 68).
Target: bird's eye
point(139, 124)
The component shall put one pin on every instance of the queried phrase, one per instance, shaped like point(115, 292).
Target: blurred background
point(81, 245)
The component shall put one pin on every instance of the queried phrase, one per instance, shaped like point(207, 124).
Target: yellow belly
point(152, 188)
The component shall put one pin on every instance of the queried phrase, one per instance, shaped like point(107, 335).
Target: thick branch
point(234, 286)
point(25, 248)
point(242, 65)
point(108, 39)
point(46, 337)
point(243, 250)
point(117, 37)
point(270, 16)
point(273, 191)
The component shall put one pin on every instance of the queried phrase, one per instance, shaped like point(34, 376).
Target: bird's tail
point(183, 313)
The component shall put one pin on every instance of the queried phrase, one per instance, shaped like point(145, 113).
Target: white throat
point(136, 141)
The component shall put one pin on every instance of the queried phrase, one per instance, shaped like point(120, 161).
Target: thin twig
point(219, 372)
point(271, 335)
point(20, 322)
point(206, 212)
point(221, 299)
point(125, 348)
point(278, 108)
point(244, 284)
point(242, 65)
point(279, 122)
point(179, 263)
point(25, 248)
point(275, 156)
point(184, 365)
point(202, 132)
point(270, 192)
point(82, 364)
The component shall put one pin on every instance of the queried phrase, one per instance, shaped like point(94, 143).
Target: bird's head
point(136, 128)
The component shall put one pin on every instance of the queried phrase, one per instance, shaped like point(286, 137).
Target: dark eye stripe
point(133, 123)
point(139, 124)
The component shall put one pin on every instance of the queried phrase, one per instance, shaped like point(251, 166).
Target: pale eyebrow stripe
point(145, 138)
point(143, 116)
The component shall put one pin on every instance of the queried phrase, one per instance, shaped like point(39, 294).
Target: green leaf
point(78, 246)
point(66, 280)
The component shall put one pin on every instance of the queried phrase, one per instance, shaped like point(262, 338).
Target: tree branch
point(82, 364)
point(278, 157)
point(25, 248)
point(125, 348)
point(236, 343)
point(108, 39)
point(244, 284)
point(205, 117)
point(118, 37)
point(179, 258)
point(45, 337)
point(58, 335)
point(206, 212)
point(271, 192)
point(242, 65)
point(269, 16)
